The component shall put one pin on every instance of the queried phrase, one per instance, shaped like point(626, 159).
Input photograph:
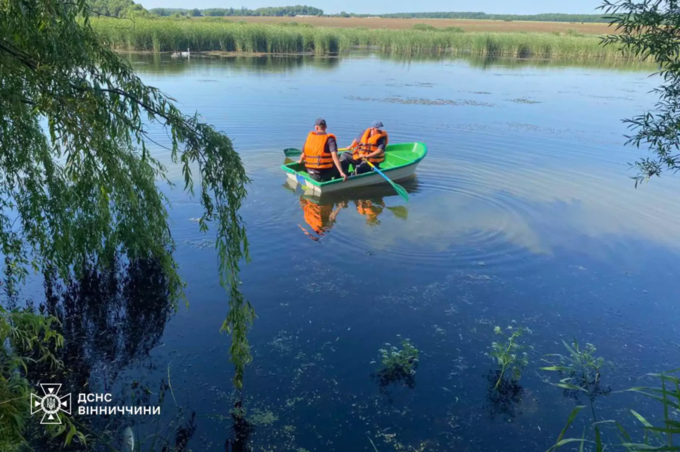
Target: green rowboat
point(400, 163)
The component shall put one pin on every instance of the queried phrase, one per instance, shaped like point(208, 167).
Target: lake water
point(523, 214)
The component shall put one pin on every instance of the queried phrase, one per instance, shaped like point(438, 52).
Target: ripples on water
point(522, 212)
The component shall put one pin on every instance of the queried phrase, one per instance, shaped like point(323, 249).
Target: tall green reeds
point(162, 35)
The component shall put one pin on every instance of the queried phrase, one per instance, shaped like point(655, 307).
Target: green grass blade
point(569, 386)
point(598, 440)
point(583, 440)
point(641, 419)
point(624, 433)
point(567, 441)
point(572, 416)
point(569, 348)
point(665, 406)
point(646, 448)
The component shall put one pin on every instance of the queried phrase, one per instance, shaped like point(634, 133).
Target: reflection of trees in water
point(488, 62)
point(110, 321)
point(504, 399)
point(183, 435)
point(255, 63)
point(240, 431)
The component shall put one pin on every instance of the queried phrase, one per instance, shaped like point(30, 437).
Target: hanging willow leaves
point(77, 179)
point(649, 30)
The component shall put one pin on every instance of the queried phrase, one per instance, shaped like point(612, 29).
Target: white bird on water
point(181, 54)
point(128, 440)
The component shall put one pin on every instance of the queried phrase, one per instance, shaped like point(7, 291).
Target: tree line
point(280, 11)
point(122, 8)
point(115, 8)
point(553, 17)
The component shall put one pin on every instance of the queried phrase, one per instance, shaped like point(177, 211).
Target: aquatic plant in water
point(398, 365)
point(580, 372)
point(662, 436)
point(509, 354)
point(404, 361)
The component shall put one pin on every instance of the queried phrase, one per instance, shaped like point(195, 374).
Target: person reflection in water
point(371, 209)
point(319, 217)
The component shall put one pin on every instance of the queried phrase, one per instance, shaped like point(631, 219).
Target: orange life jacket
point(316, 155)
point(316, 216)
point(369, 144)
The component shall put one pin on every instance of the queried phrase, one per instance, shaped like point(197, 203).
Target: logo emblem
point(50, 404)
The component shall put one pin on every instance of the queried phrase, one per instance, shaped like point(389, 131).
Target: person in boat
point(369, 145)
point(320, 154)
point(371, 209)
point(319, 217)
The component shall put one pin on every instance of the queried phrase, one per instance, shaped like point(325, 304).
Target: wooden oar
point(401, 190)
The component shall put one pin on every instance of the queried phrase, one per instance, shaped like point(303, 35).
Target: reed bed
point(162, 35)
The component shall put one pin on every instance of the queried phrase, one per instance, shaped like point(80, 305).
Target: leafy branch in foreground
point(650, 29)
point(77, 180)
point(35, 336)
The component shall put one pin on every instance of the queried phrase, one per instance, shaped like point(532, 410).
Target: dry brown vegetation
point(465, 24)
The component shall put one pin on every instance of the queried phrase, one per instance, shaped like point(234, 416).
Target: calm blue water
point(522, 214)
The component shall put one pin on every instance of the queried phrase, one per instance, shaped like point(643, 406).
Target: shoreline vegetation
point(168, 35)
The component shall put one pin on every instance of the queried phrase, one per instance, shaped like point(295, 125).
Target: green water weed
point(399, 361)
point(580, 371)
point(509, 353)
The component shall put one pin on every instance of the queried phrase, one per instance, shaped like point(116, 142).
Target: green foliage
point(202, 35)
point(296, 24)
point(650, 29)
point(572, 32)
point(397, 366)
point(77, 179)
point(660, 437)
point(580, 369)
point(424, 27)
point(509, 354)
point(427, 27)
point(114, 8)
point(395, 361)
point(26, 340)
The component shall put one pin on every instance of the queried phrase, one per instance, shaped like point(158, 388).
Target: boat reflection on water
point(320, 217)
point(321, 214)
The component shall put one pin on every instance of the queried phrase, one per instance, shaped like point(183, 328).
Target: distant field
point(271, 36)
point(467, 25)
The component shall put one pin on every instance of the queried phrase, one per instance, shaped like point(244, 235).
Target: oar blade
point(292, 152)
point(401, 190)
point(399, 212)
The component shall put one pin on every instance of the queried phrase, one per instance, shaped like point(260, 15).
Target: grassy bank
point(199, 35)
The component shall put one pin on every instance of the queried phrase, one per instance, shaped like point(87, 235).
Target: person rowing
point(369, 145)
point(320, 154)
